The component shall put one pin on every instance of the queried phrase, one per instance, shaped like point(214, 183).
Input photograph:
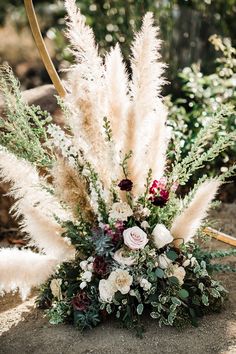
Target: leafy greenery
point(23, 127)
point(191, 113)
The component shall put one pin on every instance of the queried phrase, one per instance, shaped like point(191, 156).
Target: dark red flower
point(158, 201)
point(164, 194)
point(100, 266)
point(81, 301)
point(126, 185)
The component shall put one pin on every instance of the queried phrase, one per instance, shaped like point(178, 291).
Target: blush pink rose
point(135, 238)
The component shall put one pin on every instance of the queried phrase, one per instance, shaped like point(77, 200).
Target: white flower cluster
point(118, 280)
point(120, 211)
point(61, 141)
point(86, 275)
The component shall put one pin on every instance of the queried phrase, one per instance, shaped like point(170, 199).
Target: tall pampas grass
point(24, 269)
point(185, 225)
point(146, 131)
point(159, 138)
point(35, 204)
point(147, 71)
point(86, 91)
point(116, 81)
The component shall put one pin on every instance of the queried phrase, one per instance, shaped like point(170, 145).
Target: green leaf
point(215, 293)
point(171, 318)
point(159, 273)
point(173, 280)
point(172, 255)
point(154, 315)
point(152, 276)
point(183, 294)
point(205, 300)
point(108, 308)
point(140, 308)
point(176, 301)
point(201, 286)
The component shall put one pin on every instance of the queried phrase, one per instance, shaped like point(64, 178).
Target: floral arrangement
point(108, 230)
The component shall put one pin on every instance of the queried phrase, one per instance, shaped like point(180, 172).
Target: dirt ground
point(23, 329)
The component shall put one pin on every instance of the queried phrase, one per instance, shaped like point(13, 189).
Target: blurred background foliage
point(185, 27)
point(201, 72)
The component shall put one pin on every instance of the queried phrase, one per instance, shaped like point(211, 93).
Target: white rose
point(87, 276)
point(121, 280)
point(177, 272)
point(83, 285)
point(145, 284)
point(164, 261)
point(120, 211)
point(83, 265)
point(135, 238)
point(121, 259)
point(161, 236)
point(106, 290)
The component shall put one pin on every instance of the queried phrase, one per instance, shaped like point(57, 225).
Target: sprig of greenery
point(23, 126)
point(124, 164)
point(107, 128)
point(199, 155)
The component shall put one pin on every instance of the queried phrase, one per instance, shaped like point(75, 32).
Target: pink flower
point(174, 186)
point(135, 238)
point(161, 184)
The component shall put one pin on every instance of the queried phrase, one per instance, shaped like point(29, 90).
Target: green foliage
point(192, 113)
point(58, 312)
point(206, 146)
point(23, 128)
point(107, 128)
point(88, 319)
point(208, 256)
point(77, 232)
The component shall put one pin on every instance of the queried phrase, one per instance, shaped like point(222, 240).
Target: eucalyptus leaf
point(176, 301)
point(172, 255)
point(140, 308)
point(159, 273)
point(183, 294)
point(154, 315)
point(173, 280)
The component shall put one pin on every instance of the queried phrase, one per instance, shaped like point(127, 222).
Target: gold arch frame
point(29, 7)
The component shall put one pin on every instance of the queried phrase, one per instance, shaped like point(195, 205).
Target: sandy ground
point(23, 329)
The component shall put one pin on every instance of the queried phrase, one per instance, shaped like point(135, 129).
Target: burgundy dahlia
point(159, 201)
point(100, 266)
point(81, 301)
point(126, 185)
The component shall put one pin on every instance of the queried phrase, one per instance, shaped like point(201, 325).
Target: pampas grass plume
point(186, 224)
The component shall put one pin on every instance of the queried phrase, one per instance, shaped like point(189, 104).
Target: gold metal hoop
point(29, 7)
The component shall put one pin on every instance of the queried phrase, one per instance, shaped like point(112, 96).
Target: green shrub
point(201, 95)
